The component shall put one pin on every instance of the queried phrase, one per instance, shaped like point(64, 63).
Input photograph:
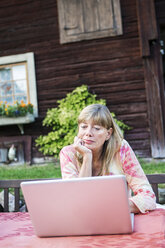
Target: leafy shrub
point(63, 120)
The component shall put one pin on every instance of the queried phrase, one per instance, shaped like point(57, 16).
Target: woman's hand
point(79, 147)
point(86, 168)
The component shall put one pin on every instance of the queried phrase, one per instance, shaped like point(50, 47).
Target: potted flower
point(17, 113)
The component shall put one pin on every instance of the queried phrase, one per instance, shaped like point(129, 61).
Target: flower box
point(16, 120)
point(5, 121)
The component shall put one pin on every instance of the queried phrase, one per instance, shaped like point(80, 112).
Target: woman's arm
point(86, 167)
point(144, 198)
point(69, 168)
point(69, 164)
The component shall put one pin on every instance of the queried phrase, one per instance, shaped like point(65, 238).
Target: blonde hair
point(100, 115)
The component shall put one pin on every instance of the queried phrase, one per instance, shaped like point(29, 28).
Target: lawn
point(152, 167)
point(49, 170)
point(52, 170)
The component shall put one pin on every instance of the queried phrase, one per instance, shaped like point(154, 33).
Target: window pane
point(19, 72)
point(13, 83)
point(6, 89)
point(20, 87)
point(0, 89)
point(9, 100)
point(21, 98)
point(5, 74)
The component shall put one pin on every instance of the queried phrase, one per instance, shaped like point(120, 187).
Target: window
point(88, 19)
point(17, 80)
point(14, 83)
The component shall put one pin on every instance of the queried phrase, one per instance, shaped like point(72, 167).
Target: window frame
point(27, 80)
point(28, 58)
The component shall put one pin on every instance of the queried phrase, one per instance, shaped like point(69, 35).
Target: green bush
point(63, 120)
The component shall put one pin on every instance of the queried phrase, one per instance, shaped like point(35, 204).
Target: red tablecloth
point(16, 231)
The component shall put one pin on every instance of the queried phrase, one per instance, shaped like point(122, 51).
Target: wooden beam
point(147, 24)
point(150, 51)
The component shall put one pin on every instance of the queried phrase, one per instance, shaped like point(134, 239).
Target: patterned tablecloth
point(16, 231)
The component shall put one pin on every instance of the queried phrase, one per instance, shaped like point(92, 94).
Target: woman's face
point(93, 136)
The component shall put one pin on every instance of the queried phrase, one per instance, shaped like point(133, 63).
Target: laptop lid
point(79, 206)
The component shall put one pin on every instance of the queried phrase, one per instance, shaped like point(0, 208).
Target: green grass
point(30, 172)
point(52, 170)
point(152, 167)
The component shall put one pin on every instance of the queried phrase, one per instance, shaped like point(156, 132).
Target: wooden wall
point(112, 67)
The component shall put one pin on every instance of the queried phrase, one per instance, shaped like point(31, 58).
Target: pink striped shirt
point(128, 165)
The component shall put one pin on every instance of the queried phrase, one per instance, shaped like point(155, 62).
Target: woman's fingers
point(79, 146)
point(78, 141)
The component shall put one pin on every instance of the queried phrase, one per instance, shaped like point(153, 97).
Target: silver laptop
point(79, 206)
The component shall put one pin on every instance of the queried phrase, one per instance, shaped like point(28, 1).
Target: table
point(16, 231)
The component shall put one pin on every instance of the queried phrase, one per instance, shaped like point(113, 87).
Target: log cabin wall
point(112, 67)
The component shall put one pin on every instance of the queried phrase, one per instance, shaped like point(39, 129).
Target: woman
point(99, 149)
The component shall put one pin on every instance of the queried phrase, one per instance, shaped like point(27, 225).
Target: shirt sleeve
point(68, 163)
point(144, 197)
